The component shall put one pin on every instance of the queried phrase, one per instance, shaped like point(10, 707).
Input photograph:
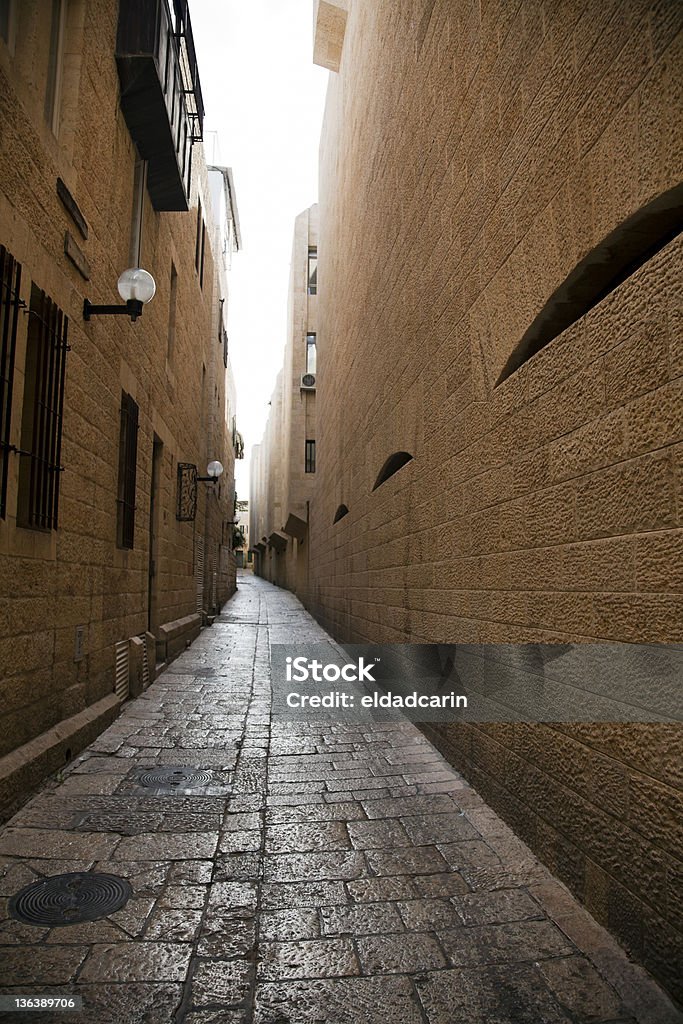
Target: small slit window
point(395, 462)
point(309, 458)
point(340, 513)
point(312, 270)
point(128, 454)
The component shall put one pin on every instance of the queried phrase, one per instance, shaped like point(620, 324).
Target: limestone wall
point(55, 581)
point(473, 156)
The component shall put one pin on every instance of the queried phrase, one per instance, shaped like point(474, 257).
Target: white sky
point(264, 97)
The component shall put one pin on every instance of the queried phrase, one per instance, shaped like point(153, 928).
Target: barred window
point(41, 424)
point(128, 458)
point(309, 466)
point(10, 303)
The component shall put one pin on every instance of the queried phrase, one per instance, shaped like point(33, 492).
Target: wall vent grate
point(122, 671)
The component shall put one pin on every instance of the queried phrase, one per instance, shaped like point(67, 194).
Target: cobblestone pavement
point(333, 874)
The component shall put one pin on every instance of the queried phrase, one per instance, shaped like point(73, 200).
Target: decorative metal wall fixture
point(186, 507)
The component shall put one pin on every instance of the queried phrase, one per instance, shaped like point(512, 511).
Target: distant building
point(243, 553)
point(283, 466)
point(112, 551)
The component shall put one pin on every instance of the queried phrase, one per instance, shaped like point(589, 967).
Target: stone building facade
point(105, 570)
point(284, 464)
point(499, 448)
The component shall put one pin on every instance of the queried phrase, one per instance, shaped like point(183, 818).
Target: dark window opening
point(172, 306)
point(201, 258)
point(55, 65)
point(10, 303)
point(5, 19)
point(391, 466)
point(128, 457)
point(309, 464)
point(609, 264)
point(41, 423)
point(312, 271)
point(340, 513)
point(200, 244)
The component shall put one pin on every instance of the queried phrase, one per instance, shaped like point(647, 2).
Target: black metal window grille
point(41, 427)
point(10, 304)
point(312, 271)
point(128, 458)
point(188, 63)
point(186, 503)
point(309, 464)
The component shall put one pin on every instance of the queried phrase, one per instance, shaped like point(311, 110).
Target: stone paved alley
point(319, 874)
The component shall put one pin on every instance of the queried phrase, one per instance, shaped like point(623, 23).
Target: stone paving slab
point(324, 874)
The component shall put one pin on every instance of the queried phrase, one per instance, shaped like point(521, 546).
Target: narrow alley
point(290, 875)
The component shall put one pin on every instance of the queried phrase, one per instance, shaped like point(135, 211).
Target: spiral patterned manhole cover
point(174, 778)
point(70, 899)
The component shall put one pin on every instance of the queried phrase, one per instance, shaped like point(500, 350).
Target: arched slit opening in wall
point(392, 465)
point(340, 513)
point(629, 247)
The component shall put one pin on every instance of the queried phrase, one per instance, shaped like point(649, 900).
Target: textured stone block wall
point(472, 156)
point(52, 582)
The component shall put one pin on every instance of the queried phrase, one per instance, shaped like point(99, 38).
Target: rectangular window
point(41, 423)
point(312, 271)
point(10, 303)
point(6, 20)
point(53, 93)
point(128, 458)
point(310, 457)
point(310, 353)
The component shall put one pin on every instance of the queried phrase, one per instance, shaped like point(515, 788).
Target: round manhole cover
point(181, 778)
point(70, 899)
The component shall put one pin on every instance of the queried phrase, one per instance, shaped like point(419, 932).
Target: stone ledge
point(25, 768)
point(175, 636)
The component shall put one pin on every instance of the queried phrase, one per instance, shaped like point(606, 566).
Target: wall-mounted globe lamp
point(136, 288)
point(213, 471)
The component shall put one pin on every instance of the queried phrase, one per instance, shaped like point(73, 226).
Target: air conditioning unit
point(308, 382)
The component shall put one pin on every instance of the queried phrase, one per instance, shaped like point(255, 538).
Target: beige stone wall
point(75, 575)
point(280, 486)
point(472, 156)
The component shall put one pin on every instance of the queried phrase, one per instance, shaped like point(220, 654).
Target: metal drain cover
point(70, 899)
point(174, 778)
point(204, 673)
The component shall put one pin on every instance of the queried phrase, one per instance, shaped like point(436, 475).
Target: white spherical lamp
point(136, 283)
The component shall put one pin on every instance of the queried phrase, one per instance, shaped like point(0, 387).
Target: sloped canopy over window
point(340, 513)
point(391, 466)
point(635, 241)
